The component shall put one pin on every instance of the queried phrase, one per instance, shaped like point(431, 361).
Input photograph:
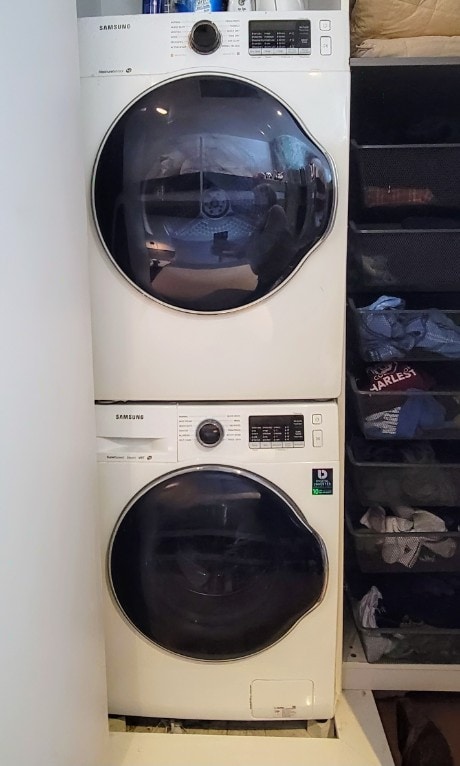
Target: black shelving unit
point(403, 448)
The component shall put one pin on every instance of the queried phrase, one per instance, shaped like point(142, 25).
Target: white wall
point(52, 695)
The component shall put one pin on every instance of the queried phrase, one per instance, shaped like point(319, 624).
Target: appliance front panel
point(286, 345)
point(194, 553)
point(300, 483)
point(145, 679)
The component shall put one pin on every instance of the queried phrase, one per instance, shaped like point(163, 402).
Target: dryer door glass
point(208, 193)
point(214, 563)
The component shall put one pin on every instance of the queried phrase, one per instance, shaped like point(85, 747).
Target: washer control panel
point(252, 432)
point(276, 431)
point(283, 37)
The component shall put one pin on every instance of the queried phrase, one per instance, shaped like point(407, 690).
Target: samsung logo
point(110, 27)
point(129, 417)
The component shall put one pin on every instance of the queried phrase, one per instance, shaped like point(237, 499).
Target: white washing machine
point(220, 528)
point(217, 165)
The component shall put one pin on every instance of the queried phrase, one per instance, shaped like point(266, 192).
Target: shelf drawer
point(405, 473)
point(394, 552)
point(392, 258)
point(414, 645)
point(408, 177)
point(388, 334)
point(409, 414)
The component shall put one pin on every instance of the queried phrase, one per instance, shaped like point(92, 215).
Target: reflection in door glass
point(208, 193)
point(211, 563)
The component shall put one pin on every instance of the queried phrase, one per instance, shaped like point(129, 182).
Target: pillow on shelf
point(410, 46)
point(372, 19)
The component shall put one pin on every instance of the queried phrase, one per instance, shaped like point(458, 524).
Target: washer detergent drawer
point(285, 698)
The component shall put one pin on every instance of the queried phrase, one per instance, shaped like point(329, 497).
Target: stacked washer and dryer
point(217, 165)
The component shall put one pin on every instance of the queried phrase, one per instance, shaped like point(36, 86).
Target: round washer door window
point(208, 193)
point(214, 563)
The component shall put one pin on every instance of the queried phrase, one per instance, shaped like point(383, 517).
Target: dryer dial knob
point(210, 433)
point(204, 37)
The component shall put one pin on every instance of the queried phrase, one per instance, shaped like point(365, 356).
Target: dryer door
point(215, 563)
point(208, 193)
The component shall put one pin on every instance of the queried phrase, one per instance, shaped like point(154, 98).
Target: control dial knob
point(210, 433)
point(204, 37)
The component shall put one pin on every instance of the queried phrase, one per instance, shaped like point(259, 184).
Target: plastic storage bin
point(415, 473)
point(425, 330)
point(389, 257)
point(408, 178)
point(402, 552)
point(433, 414)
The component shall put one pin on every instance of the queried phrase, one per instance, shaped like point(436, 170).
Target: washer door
point(208, 193)
point(215, 563)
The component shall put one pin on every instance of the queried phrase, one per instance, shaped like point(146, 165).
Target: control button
point(279, 51)
point(299, 444)
point(277, 445)
point(254, 445)
point(209, 433)
point(288, 445)
point(325, 25)
point(317, 438)
point(316, 420)
point(304, 51)
point(204, 37)
point(255, 51)
point(325, 45)
point(265, 445)
point(268, 51)
point(292, 51)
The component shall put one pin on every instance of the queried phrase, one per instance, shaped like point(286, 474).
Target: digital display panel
point(276, 429)
point(283, 36)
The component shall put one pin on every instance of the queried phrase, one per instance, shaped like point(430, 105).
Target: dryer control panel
point(251, 42)
point(284, 37)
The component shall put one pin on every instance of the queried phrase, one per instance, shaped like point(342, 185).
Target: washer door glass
point(208, 193)
point(214, 563)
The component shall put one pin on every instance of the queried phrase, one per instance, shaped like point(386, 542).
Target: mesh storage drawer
point(406, 473)
point(410, 177)
point(433, 414)
point(415, 645)
point(425, 333)
point(402, 551)
point(390, 257)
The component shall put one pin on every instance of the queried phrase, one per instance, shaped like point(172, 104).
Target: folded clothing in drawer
point(388, 330)
point(405, 473)
point(404, 538)
point(402, 400)
point(408, 177)
point(409, 619)
point(420, 253)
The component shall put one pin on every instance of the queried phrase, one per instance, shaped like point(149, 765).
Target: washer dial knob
point(210, 433)
point(204, 37)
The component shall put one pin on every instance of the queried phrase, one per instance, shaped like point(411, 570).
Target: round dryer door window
point(215, 564)
point(208, 193)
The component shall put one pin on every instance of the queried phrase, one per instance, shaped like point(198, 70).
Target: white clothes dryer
point(221, 539)
point(217, 165)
